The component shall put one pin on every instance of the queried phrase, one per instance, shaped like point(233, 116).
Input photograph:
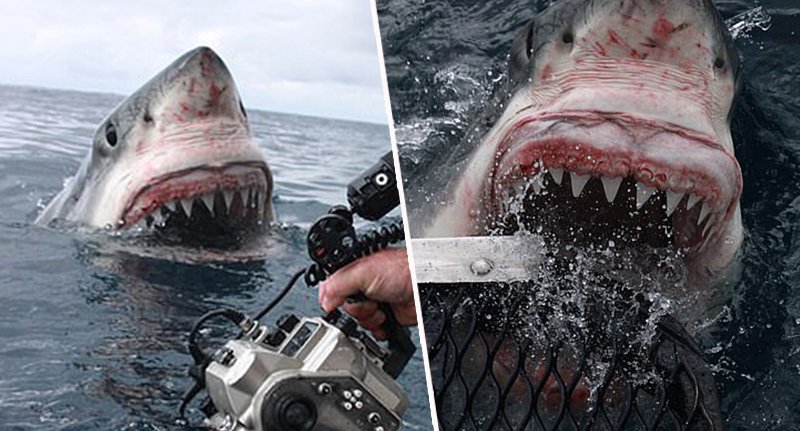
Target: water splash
point(742, 24)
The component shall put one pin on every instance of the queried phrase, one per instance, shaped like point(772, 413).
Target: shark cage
point(513, 346)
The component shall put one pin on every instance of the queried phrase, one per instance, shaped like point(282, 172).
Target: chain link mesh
point(501, 361)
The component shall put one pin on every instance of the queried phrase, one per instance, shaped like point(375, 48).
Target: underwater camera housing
point(313, 373)
point(307, 373)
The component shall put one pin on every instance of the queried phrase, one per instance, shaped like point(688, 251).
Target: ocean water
point(444, 59)
point(96, 340)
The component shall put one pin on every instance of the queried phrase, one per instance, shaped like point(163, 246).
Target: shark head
point(616, 130)
point(175, 158)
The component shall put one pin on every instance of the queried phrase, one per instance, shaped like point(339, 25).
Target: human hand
point(382, 277)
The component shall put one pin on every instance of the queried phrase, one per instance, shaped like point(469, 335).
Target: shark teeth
point(578, 182)
point(693, 199)
point(611, 187)
point(187, 204)
point(643, 194)
point(675, 205)
point(228, 196)
point(704, 212)
point(219, 203)
point(537, 187)
point(673, 199)
point(158, 218)
point(208, 200)
point(712, 221)
point(557, 174)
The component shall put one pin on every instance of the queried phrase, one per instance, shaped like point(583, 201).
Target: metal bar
point(477, 259)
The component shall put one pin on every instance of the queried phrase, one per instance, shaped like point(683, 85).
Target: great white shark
point(616, 130)
point(174, 159)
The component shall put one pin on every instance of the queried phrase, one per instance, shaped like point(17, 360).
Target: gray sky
point(316, 57)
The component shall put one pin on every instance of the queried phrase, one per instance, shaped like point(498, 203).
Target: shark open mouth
point(220, 206)
point(612, 179)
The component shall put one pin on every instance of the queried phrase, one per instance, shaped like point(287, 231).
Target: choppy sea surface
point(444, 59)
point(92, 340)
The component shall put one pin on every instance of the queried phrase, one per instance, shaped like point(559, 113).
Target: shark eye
point(529, 43)
point(719, 63)
point(567, 38)
point(111, 134)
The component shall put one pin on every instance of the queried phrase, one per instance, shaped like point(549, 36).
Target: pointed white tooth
point(228, 195)
point(611, 187)
point(578, 182)
point(158, 219)
point(557, 175)
point(170, 205)
point(704, 212)
point(673, 199)
point(693, 199)
point(519, 190)
point(187, 206)
point(643, 193)
point(208, 199)
point(711, 222)
point(705, 243)
point(260, 203)
point(537, 186)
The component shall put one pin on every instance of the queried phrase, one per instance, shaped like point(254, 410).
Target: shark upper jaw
point(680, 185)
point(236, 193)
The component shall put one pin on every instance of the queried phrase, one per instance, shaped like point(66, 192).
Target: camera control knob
point(324, 389)
point(288, 322)
point(275, 338)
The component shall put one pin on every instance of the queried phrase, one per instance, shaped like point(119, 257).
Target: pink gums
point(517, 156)
point(191, 183)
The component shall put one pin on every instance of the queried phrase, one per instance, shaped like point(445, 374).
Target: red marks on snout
point(636, 55)
point(663, 28)
point(213, 93)
point(547, 72)
point(600, 49)
point(613, 37)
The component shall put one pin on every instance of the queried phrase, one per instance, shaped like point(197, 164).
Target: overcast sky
point(313, 57)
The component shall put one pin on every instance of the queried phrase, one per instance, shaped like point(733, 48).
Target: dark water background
point(92, 340)
point(444, 58)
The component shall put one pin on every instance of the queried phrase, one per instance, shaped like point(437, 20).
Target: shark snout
point(201, 88)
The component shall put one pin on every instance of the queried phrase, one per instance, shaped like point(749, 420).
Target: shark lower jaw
point(622, 181)
point(219, 205)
